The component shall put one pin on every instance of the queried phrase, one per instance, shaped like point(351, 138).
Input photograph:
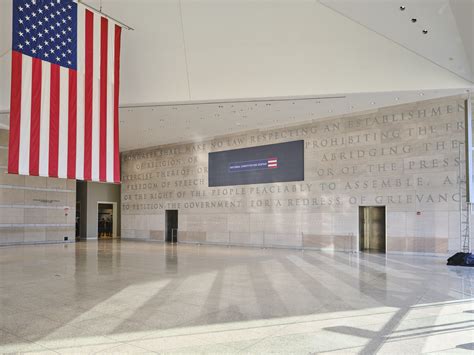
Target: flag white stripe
point(25, 122)
point(110, 101)
point(63, 121)
point(96, 101)
point(81, 13)
point(44, 120)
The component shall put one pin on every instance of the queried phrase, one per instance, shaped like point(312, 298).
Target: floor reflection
point(171, 257)
point(112, 296)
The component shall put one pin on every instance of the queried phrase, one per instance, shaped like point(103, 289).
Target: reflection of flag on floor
point(272, 163)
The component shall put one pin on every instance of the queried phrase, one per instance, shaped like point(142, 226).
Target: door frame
point(358, 230)
point(114, 217)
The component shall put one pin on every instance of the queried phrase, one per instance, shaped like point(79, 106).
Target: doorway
point(106, 220)
point(171, 226)
point(372, 236)
point(78, 220)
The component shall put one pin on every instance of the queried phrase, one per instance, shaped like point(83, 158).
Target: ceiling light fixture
point(397, 99)
point(402, 8)
point(422, 94)
point(414, 20)
point(425, 32)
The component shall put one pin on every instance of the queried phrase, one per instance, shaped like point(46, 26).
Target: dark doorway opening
point(105, 220)
point(78, 220)
point(372, 236)
point(171, 226)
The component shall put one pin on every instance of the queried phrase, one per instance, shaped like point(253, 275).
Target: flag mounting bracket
point(99, 11)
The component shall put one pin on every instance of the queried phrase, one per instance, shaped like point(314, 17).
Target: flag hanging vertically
point(65, 92)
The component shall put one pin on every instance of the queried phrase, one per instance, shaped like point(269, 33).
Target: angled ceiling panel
point(439, 30)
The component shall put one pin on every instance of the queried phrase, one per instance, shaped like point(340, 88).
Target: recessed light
point(397, 99)
point(330, 110)
point(414, 20)
point(372, 103)
point(422, 94)
point(425, 32)
point(402, 8)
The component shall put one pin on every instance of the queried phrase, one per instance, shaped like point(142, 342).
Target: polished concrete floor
point(117, 297)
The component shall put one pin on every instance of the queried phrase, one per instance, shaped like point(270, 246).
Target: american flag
point(272, 163)
point(65, 92)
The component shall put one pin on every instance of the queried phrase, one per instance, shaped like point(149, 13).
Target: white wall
point(241, 49)
point(5, 56)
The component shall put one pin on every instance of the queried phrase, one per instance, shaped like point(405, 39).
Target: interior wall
point(34, 209)
point(405, 157)
point(89, 194)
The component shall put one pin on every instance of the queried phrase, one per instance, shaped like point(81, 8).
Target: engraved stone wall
point(406, 158)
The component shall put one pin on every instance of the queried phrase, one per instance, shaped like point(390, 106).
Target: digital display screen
point(280, 162)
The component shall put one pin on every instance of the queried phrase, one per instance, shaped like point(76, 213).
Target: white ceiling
point(170, 123)
point(214, 58)
point(449, 41)
point(196, 69)
point(188, 50)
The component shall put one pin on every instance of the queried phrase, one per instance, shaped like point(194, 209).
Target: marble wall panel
point(32, 207)
point(11, 235)
point(12, 215)
point(396, 224)
point(3, 157)
point(10, 196)
point(35, 235)
point(157, 235)
point(36, 181)
point(10, 180)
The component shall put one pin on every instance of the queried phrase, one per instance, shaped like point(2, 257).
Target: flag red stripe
point(35, 116)
point(88, 86)
point(103, 99)
point(15, 114)
point(54, 120)
point(72, 125)
point(118, 33)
